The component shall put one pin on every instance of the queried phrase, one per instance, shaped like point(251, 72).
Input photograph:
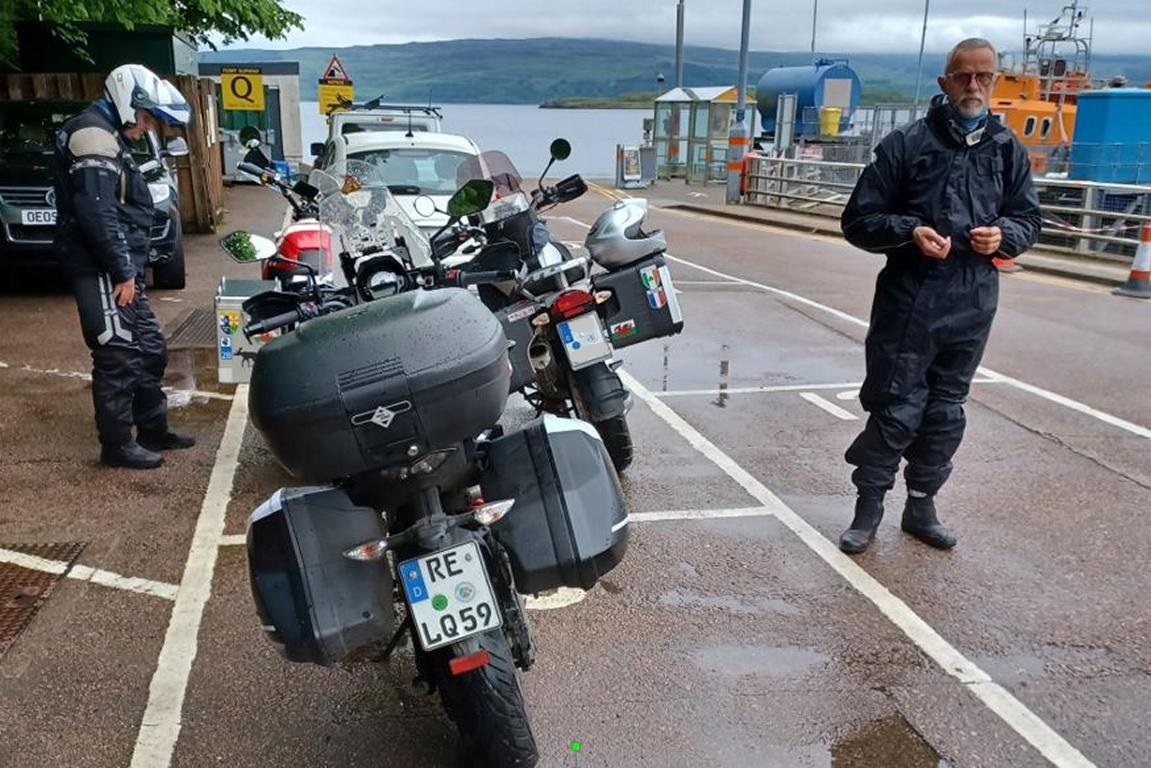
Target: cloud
point(1120, 26)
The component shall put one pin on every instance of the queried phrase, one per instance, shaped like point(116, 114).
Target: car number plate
point(584, 341)
point(38, 217)
point(449, 595)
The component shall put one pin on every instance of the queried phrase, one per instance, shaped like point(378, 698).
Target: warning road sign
point(336, 71)
point(243, 88)
point(333, 95)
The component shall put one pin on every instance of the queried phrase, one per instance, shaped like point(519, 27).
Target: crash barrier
point(1138, 284)
point(1080, 218)
point(199, 174)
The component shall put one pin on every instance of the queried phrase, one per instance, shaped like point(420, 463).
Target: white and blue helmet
point(130, 87)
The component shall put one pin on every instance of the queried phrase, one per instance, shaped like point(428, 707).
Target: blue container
point(1112, 140)
point(282, 168)
point(825, 83)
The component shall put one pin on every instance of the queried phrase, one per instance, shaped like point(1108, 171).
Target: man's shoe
point(130, 455)
point(868, 513)
point(920, 521)
point(165, 441)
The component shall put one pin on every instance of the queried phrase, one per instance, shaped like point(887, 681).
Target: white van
point(380, 117)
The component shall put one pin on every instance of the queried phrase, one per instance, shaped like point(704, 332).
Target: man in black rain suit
point(104, 212)
point(943, 196)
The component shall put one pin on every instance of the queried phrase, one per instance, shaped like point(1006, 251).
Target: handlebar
point(274, 323)
point(269, 176)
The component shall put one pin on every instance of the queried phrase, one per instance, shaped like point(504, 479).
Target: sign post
point(335, 87)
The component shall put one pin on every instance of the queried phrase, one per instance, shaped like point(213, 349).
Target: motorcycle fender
point(603, 393)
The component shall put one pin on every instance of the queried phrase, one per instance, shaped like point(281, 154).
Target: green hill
point(539, 70)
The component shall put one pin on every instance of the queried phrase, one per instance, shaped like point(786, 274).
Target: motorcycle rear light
point(468, 663)
point(489, 514)
point(571, 304)
point(368, 552)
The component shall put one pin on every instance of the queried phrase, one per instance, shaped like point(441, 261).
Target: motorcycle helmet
point(617, 238)
point(131, 86)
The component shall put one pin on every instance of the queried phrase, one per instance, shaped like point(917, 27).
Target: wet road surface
point(732, 634)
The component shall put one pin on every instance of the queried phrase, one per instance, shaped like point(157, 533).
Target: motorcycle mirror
point(561, 149)
point(471, 198)
point(244, 247)
point(249, 134)
point(425, 206)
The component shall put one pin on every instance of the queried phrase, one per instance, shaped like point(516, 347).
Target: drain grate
point(24, 589)
point(196, 329)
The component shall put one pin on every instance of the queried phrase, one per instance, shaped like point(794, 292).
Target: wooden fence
point(199, 174)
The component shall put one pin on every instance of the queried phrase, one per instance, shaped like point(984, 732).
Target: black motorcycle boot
point(920, 521)
point(868, 513)
point(131, 455)
point(164, 441)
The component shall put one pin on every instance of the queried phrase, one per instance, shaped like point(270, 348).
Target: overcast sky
point(1121, 26)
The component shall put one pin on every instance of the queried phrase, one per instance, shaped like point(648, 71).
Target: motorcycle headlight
point(160, 192)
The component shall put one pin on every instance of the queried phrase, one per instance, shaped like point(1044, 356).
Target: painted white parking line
point(1023, 386)
point(852, 394)
point(93, 575)
point(233, 540)
point(830, 407)
point(1048, 742)
point(160, 727)
point(697, 514)
point(185, 393)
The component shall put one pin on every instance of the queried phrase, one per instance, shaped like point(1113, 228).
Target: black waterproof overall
point(930, 319)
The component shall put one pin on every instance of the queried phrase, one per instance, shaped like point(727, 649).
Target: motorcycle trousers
point(129, 357)
point(925, 344)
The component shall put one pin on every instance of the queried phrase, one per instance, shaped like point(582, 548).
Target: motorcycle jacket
point(104, 208)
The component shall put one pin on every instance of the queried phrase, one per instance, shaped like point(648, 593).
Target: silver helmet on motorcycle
point(617, 238)
point(131, 86)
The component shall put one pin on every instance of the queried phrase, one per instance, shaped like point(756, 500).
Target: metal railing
point(1079, 217)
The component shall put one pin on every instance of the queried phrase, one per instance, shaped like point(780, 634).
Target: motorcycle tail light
point(571, 304)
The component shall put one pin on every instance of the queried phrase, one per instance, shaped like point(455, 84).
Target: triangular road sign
point(335, 70)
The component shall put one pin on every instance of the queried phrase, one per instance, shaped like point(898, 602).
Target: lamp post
point(919, 69)
point(679, 45)
point(739, 138)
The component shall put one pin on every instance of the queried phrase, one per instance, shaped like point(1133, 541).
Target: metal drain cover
point(195, 329)
point(23, 589)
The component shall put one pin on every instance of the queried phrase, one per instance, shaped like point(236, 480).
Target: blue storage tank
point(824, 83)
point(1112, 139)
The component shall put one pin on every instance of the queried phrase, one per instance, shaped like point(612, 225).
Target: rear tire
point(616, 437)
point(487, 706)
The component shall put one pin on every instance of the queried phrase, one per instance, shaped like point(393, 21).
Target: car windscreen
point(30, 127)
point(415, 171)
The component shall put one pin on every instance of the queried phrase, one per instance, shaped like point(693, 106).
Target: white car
point(423, 163)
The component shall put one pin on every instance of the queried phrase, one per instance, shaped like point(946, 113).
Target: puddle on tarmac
point(887, 743)
point(191, 370)
point(743, 660)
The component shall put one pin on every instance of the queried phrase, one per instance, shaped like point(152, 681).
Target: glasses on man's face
point(985, 79)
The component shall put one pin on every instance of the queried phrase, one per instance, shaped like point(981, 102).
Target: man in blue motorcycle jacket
point(104, 212)
point(943, 197)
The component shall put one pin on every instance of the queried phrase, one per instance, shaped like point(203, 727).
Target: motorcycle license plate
point(38, 217)
point(449, 595)
point(584, 341)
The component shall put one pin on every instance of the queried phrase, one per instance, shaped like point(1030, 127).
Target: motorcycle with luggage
point(418, 517)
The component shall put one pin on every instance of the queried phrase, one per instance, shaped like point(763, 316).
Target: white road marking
point(851, 394)
point(698, 514)
point(830, 407)
point(853, 386)
point(160, 727)
point(1023, 386)
point(1024, 722)
point(234, 540)
point(86, 573)
point(88, 377)
point(560, 598)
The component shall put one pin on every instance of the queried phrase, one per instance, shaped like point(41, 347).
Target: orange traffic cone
point(1005, 264)
point(1139, 282)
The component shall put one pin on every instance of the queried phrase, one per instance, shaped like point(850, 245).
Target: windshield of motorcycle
point(363, 214)
point(492, 166)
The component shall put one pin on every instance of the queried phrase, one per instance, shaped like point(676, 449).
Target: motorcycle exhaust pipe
point(549, 378)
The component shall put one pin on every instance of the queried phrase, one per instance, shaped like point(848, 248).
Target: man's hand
point(931, 243)
point(986, 240)
point(125, 292)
